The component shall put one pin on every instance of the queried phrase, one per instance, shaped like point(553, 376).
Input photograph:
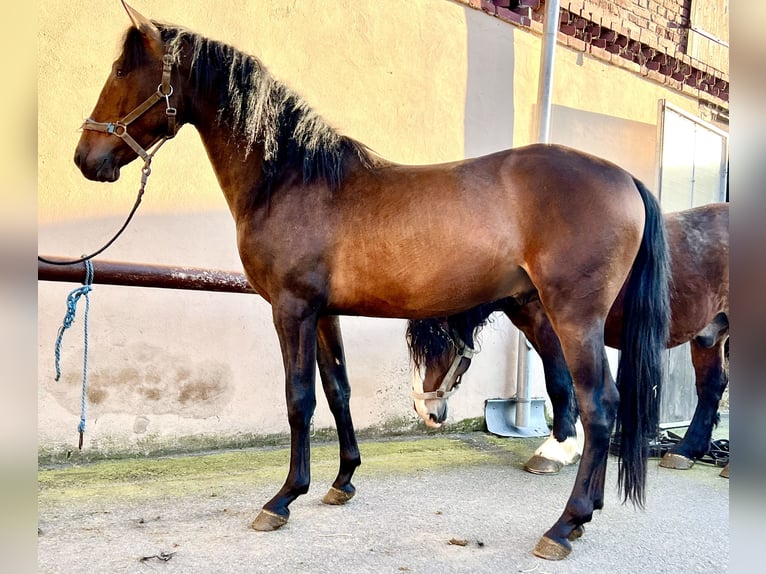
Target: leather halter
point(120, 127)
point(450, 379)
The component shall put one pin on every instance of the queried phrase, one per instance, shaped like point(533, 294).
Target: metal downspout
point(544, 98)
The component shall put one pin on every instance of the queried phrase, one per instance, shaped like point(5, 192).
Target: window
point(693, 160)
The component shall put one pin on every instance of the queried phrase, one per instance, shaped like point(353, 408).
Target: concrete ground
point(441, 503)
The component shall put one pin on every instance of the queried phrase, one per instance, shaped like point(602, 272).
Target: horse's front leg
point(332, 370)
point(296, 326)
point(598, 401)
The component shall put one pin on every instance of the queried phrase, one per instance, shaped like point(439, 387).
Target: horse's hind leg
point(332, 370)
point(711, 381)
point(560, 448)
point(598, 400)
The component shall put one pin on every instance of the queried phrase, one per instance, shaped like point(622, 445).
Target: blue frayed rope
point(71, 305)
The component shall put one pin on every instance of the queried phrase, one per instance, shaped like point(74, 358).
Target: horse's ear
point(145, 26)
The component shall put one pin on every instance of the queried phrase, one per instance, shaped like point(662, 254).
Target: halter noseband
point(120, 128)
point(449, 381)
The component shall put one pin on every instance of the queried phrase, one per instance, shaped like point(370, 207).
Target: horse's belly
point(412, 291)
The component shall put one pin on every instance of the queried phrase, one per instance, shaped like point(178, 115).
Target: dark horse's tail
point(646, 318)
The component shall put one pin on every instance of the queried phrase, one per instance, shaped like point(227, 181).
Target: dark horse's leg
point(711, 380)
point(296, 326)
point(531, 319)
point(332, 370)
point(598, 401)
point(646, 316)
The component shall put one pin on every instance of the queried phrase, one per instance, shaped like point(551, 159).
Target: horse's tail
point(646, 319)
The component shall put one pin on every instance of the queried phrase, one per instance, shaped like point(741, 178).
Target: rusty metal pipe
point(145, 275)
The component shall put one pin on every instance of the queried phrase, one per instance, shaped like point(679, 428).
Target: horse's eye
point(119, 73)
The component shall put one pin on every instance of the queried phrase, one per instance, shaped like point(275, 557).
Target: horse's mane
point(429, 339)
point(258, 109)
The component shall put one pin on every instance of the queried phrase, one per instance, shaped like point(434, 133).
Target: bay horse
point(325, 227)
point(698, 240)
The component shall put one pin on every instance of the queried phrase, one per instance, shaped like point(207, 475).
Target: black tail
point(646, 319)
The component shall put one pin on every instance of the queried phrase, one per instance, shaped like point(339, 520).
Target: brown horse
point(326, 228)
point(698, 240)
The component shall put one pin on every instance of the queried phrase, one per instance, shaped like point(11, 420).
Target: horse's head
point(440, 359)
point(136, 107)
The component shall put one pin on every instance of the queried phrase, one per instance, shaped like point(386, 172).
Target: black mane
point(429, 339)
point(258, 109)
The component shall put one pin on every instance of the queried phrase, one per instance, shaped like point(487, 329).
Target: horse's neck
point(237, 172)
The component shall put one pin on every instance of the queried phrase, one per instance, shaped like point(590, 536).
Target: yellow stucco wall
point(417, 80)
point(394, 78)
point(382, 76)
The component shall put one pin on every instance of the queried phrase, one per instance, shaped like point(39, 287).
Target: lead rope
point(146, 171)
point(119, 129)
point(71, 303)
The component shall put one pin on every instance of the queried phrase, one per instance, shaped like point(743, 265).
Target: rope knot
point(71, 308)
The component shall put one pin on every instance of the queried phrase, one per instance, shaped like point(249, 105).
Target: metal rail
point(145, 275)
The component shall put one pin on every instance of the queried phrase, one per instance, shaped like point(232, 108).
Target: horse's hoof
point(551, 550)
point(725, 472)
point(676, 461)
point(576, 533)
point(336, 496)
point(541, 465)
point(266, 521)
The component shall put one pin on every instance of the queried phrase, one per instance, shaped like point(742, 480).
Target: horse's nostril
point(432, 416)
point(77, 158)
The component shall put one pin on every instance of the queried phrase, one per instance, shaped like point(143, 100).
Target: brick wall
point(648, 37)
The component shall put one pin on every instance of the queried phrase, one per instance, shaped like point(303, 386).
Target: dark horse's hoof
point(576, 533)
point(725, 472)
point(551, 550)
point(676, 461)
point(336, 496)
point(266, 521)
point(541, 465)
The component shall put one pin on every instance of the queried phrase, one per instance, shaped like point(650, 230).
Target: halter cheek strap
point(449, 380)
point(120, 127)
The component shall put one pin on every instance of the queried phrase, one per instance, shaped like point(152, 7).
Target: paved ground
point(192, 514)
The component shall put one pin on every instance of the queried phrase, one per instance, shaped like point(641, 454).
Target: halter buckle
point(117, 128)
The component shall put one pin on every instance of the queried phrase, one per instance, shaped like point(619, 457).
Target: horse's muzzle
point(432, 417)
point(98, 168)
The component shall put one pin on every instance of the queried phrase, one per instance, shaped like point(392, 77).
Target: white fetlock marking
point(564, 452)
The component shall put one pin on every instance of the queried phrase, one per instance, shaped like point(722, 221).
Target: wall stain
point(155, 382)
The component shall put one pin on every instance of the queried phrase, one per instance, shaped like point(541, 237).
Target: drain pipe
point(544, 97)
point(547, 59)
